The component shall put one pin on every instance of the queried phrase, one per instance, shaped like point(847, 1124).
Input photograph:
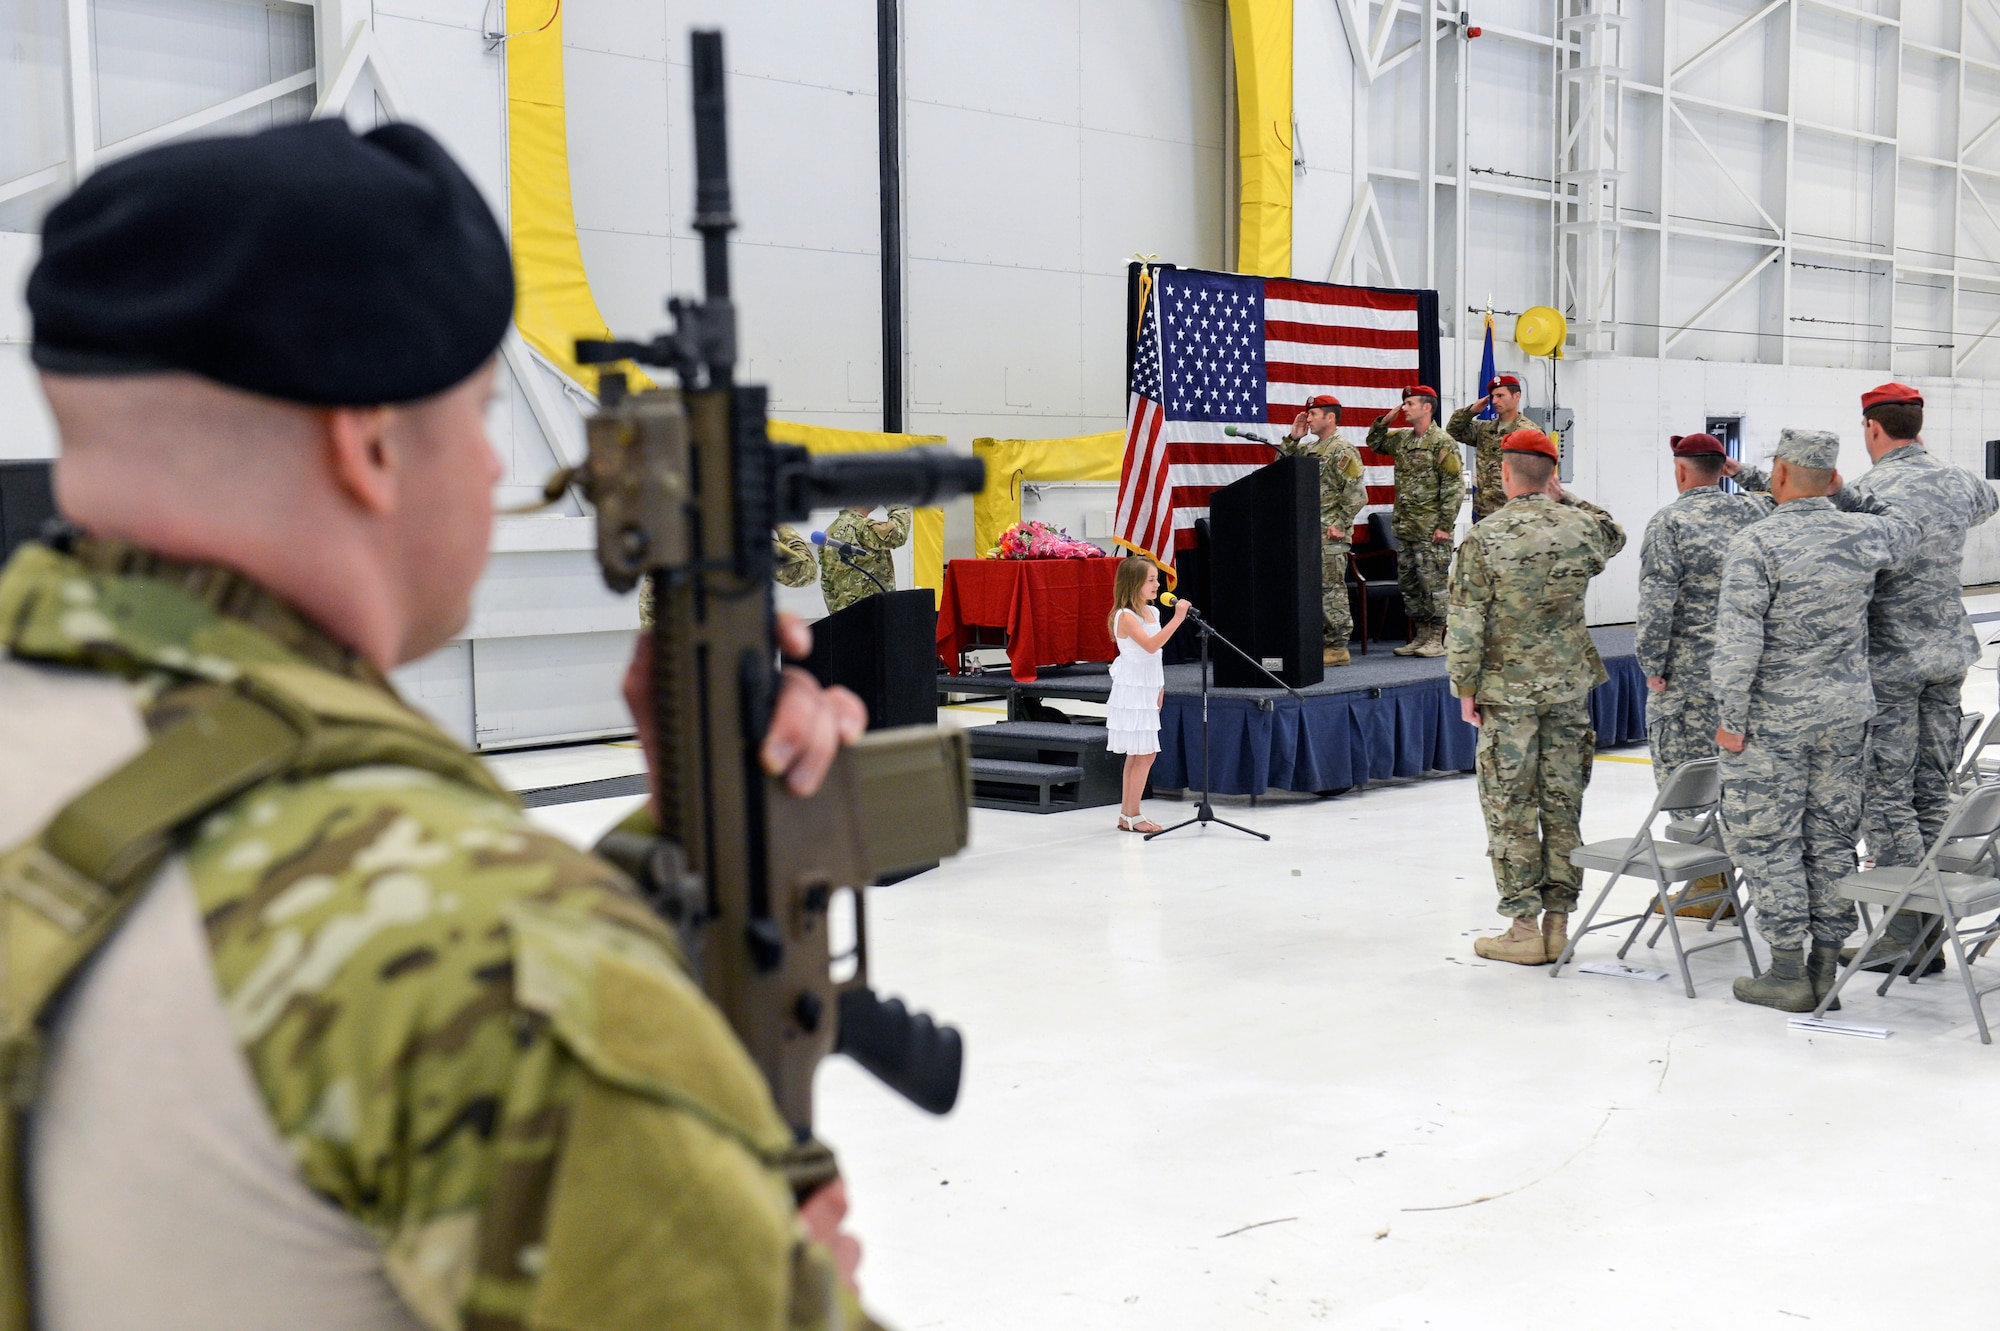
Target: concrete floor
point(1213, 1082)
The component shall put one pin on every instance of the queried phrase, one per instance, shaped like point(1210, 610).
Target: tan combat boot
point(1433, 639)
point(1336, 656)
point(1418, 632)
point(1555, 934)
point(1702, 887)
point(1522, 944)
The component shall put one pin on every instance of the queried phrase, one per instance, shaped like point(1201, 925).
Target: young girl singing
point(1138, 680)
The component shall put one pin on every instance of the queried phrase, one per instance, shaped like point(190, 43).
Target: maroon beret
point(1891, 394)
point(1529, 441)
point(1697, 445)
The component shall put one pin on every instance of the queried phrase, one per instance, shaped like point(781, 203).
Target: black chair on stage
point(1380, 585)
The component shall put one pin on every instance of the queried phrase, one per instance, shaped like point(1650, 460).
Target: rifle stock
point(687, 488)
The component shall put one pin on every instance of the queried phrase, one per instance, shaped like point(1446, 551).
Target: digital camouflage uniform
point(1680, 579)
point(798, 562)
point(1342, 493)
point(842, 583)
point(1517, 645)
point(475, 1040)
point(1920, 644)
point(1487, 493)
point(1790, 674)
point(1430, 486)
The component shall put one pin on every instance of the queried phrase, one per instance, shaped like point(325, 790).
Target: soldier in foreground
point(1523, 665)
point(1920, 640)
point(1486, 439)
point(1342, 494)
point(1793, 702)
point(845, 578)
point(369, 1051)
point(1430, 486)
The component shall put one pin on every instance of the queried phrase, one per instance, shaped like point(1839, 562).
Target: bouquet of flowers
point(1038, 540)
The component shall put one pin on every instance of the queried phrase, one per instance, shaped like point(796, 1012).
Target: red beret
point(1697, 445)
point(1529, 441)
point(1888, 394)
point(1504, 381)
point(1326, 400)
point(1421, 391)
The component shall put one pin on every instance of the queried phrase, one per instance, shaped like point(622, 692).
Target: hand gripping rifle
point(687, 489)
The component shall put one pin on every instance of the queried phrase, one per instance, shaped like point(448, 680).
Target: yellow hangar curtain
point(1083, 457)
point(552, 301)
point(1261, 33)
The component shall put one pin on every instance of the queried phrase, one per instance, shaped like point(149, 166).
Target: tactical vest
point(64, 891)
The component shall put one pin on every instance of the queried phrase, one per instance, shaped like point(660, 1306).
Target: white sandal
point(1137, 823)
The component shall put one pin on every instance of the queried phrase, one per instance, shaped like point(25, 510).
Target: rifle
point(687, 488)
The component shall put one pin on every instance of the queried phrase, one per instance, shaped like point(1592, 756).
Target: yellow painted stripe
point(1612, 758)
point(968, 707)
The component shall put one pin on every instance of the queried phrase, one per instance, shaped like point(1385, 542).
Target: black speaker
point(27, 501)
point(1264, 575)
point(885, 649)
point(1993, 459)
point(1191, 571)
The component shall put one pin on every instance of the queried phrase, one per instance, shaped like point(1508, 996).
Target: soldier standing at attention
point(1793, 700)
point(364, 1049)
point(845, 577)
point(1430, 485)
point(1920, 641)
point(1342, 494)
point(1523, 665)
point(1485, 436)
point(1680, 577)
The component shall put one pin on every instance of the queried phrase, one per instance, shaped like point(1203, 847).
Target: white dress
point(1136, 678)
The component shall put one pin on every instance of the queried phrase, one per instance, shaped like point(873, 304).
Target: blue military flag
point(1486, 370)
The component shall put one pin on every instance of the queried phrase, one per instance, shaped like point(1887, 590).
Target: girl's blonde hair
point(1128, 591)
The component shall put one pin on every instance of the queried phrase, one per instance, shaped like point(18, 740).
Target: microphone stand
point(1204, 812)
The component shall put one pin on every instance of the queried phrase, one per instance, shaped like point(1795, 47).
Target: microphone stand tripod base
point(1204, 812)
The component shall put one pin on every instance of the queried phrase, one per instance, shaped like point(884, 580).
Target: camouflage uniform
point(1430, 486)
point(1790, 674)
point(1342, 494)
point(1518, 646)
point(472, 1039)
point(1680, 577)
point(1485, 437)
point(798, 562)
point(842, 583)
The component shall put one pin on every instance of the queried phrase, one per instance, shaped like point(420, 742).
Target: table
point(1055, 611)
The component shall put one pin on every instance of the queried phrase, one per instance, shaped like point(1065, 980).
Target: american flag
point(1220, 349)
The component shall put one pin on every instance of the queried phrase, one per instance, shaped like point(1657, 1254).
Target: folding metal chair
point(1970, 748)
point(1692, 795)
point(1930, 887)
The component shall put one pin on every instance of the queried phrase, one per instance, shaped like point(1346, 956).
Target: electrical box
point(1559, 424)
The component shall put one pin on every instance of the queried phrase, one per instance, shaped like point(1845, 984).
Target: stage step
point(1000, 783)
point(1017, 745)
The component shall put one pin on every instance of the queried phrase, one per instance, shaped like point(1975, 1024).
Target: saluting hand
point(1298, 430)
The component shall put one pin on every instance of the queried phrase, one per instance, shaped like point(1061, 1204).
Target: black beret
point(305, 263)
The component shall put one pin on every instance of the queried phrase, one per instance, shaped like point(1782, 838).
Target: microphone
point(1169, 600)
point(840, 547)
point(1235, 433)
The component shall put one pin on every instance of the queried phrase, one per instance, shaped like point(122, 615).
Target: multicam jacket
point(843, 583)
point(1430, 480)
point(1485, 437)
point(1516, 634)
point(1342, 490)
point(473, 1039)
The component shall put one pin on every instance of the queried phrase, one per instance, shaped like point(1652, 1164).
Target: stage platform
point(1384, 716)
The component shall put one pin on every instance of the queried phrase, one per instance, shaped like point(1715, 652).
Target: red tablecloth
point(1055, 611)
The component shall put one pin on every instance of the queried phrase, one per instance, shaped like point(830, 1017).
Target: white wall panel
point(620, 143)
point(548, 688)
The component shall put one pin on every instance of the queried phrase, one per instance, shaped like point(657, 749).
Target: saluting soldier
point(365, 1048)
point(1920, 640)
point(1793, 701)
point(797, 561)
point(1430, 486)
point(1523, 664)
point(1342, 493)
point(1485, 436)
point(865, 570)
